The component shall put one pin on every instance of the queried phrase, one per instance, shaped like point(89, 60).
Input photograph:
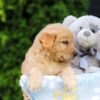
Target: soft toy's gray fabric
point(69, 20)
point(86, 30)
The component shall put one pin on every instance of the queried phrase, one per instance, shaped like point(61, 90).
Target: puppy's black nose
point(75, 54)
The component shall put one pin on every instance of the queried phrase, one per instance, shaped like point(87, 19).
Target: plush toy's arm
point(69, 20)
point(98, 57)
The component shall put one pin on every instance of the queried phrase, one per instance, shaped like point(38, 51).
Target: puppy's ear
point(47, 40)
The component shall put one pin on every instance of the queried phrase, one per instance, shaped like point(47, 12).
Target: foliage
point(20, 21)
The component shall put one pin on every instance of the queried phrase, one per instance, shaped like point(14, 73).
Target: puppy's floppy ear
point(47, 40)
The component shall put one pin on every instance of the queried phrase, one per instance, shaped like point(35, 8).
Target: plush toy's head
point(86, 38)
point(85, 30)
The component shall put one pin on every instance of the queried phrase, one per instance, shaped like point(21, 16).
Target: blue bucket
point(52, 88)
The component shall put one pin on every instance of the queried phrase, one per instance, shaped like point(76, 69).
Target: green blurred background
point(20, 21)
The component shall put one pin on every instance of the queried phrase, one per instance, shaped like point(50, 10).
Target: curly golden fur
point(50, 54)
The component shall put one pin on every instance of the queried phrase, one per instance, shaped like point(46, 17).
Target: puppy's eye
point(65, 42)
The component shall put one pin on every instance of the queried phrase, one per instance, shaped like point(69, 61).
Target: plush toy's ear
point(69, 20)
point(47, 40)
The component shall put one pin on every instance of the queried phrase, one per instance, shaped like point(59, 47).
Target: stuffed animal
point(86, 30)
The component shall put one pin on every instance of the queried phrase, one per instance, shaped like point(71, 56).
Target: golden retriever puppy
point(50, 54)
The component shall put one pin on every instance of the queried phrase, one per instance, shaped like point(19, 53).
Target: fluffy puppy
point(50, 54)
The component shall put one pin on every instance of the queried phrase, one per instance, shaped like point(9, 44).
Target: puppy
point(50, 54)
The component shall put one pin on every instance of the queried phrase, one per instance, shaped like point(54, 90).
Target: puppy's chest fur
point(50, 67)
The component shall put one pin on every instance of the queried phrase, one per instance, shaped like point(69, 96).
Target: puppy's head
point(58, 42)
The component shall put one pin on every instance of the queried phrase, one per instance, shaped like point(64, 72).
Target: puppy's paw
point(34, 83)
point(70, 84)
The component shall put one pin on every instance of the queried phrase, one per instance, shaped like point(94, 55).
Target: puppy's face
point(59, 44)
